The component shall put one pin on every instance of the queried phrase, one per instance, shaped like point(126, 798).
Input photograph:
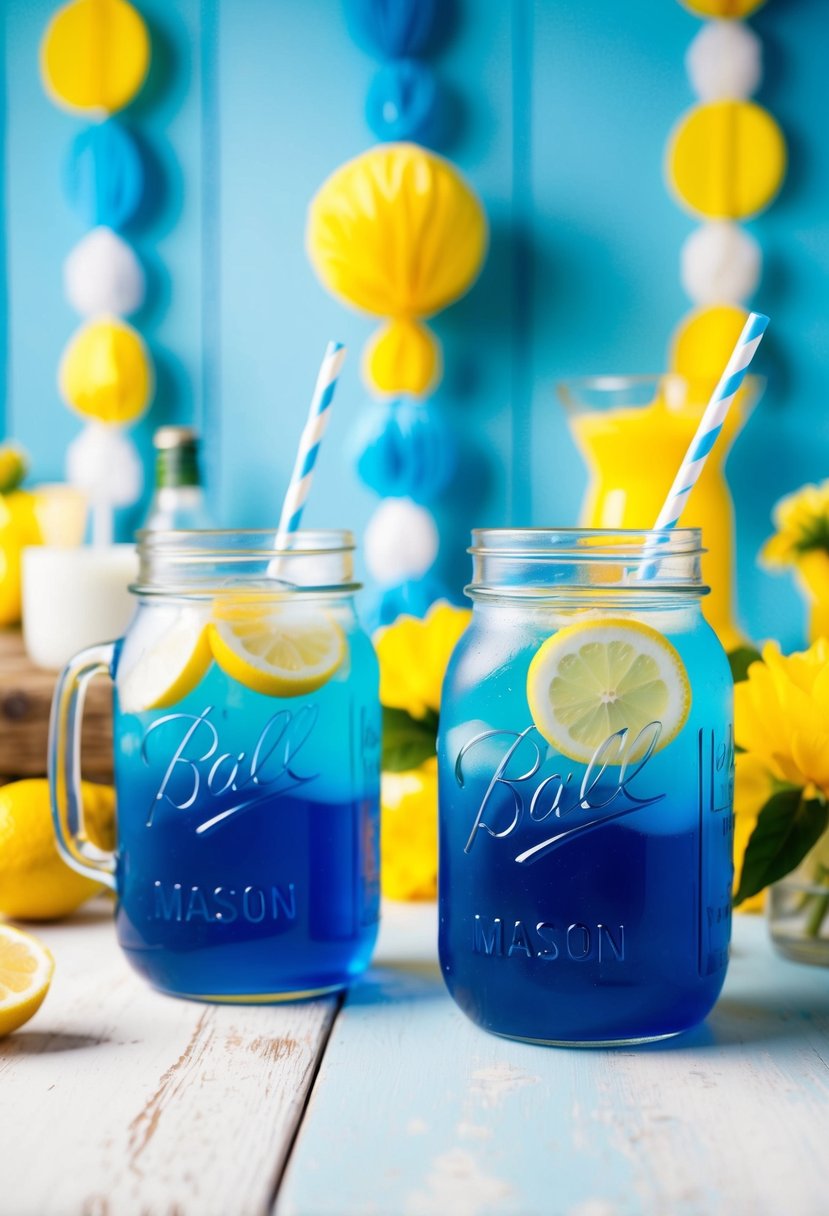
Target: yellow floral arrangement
point(802, 542)
point(781, 726)
point(413, 658)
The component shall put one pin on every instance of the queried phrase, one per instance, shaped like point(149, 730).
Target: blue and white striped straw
point(309, 443)
point(707, 432)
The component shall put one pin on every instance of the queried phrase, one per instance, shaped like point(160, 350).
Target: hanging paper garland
point(103, 177)
point(94, 59)
point(95, 55)
point(403, 102)
point(403, 450)
point(723, 8)
point(103, 275)
point(392, 29)
point(726, 161)
point(105, 372)
point(399, 234)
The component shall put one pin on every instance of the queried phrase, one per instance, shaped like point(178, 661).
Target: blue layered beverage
point(586, 772)
point(247, 736)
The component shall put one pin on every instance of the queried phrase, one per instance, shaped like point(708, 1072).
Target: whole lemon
point(18, 528)
point(35, 882)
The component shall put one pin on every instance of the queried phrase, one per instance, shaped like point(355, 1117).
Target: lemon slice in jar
point(274, 649)
point(168, 667)
point(26, 969)
point(595, 678)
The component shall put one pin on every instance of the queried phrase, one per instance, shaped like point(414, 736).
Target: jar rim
point(206, 542)
point(209, 561)
point(564, 542)
point(542, 563)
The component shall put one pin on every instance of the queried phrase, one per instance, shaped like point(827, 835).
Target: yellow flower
point(413, 657)
point(781, 715)
point(802, 522)
point(781, 720)
point(409, 833)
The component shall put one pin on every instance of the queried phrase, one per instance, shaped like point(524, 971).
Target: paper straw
point(706, 435)
point(309, 445)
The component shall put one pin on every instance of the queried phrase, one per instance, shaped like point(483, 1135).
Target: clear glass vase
point(798, 909)
point(633, 432)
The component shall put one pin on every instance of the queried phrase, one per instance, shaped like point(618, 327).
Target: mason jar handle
point(74, 845)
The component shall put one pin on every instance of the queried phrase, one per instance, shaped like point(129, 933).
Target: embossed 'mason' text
point(176, 901)
point(500, 937)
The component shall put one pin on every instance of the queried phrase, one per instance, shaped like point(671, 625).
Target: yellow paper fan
point(95, 55)
point(398, 233)
point(106, 373)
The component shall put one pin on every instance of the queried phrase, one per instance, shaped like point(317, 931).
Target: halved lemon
point(595, 678)
point(169, 667)
point(26, 969)
point(274, 649)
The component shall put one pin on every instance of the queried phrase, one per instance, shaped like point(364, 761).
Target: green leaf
point(740, 660)
point(407, 741)
point(788, 826)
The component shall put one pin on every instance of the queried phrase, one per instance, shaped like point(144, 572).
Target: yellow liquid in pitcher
point(633, 453)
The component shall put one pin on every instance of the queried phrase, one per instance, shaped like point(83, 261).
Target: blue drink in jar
point(247, 740)
point(586, 779)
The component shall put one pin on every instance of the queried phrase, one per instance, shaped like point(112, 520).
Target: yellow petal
point(408, 839)
point(810, 753)
point(752, 789)
point(400, 653)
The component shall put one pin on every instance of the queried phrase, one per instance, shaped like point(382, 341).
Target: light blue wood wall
point(566, 108)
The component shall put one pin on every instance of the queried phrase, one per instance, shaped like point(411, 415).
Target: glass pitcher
point(633, 432)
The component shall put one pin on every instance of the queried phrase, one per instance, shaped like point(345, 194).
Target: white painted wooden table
point(116, 1101)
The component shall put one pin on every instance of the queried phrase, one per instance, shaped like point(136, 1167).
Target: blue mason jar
point(586, 782)
point(247, 747)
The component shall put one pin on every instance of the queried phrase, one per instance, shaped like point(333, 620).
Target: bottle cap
point(174, 437)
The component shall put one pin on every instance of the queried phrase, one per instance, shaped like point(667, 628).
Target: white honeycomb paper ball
point(102, 274)
point(103, 462)
point(725, 61)
point(720, 264)
point(400, 541)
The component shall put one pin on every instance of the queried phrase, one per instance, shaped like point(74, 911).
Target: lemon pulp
point(169, 667)
point(26, 969)
point(596, 678)
point(274, 649)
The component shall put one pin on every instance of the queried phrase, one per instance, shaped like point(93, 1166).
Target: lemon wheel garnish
point(25, 975)
point(274, 649)
point(595, 678)
point(169, 668)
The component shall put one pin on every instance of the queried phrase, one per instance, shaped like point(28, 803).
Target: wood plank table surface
point(118, 1101)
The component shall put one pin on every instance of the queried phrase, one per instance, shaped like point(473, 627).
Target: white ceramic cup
point(73, 598)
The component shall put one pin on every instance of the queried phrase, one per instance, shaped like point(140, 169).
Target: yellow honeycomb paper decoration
point(397, 232)
point(727, 159)
point(734, 9)
point(95, 55)
point(105, 373)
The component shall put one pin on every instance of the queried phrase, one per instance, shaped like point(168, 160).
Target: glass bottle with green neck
point(178, 502)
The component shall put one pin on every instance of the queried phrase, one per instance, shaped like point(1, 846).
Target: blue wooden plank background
point(565, 111)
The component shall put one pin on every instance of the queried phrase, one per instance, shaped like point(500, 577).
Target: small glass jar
point(247, 737)
point(798, 908)
point(586, 781)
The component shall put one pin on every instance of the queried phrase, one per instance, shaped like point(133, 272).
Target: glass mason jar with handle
point(247, 734)
point(586, 779)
